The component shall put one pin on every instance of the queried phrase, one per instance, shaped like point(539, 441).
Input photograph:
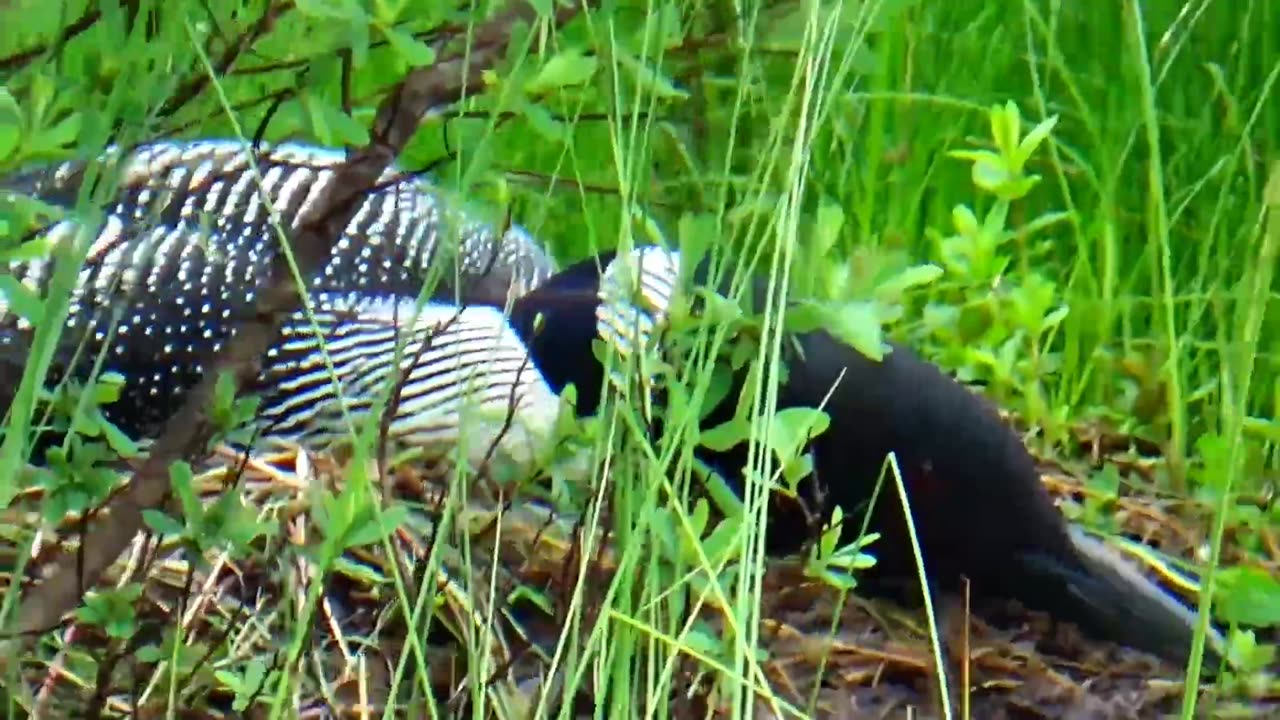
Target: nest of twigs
point(228, 614)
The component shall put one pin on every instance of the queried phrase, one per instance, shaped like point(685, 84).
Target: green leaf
point(650, 80)
point(791, 428)
point(721, 543)
point(150, 654)
point(965, 222)
point(410, 49)
point(564, 69)
point(22, 300)
point(9, 108)
point(183, 480)
point(161, 523)
point(38, 247)
point(61, 135)
point(1032, 141)
point(1246, 654)
point(726, 435)
point(806, 316)
point(697, 232)
point(122, 444)
point(1006, 126)
point(718, 309)
point(372, 531)
point(914, 276)
point(990, 175)
point(346, 129)
point(331, 125)
point(702, 640)
point(10, 136)
point(388, 11)
point(333, 9)
point(1249, 596)
point(108, 388)
point(544, 123)
point(857, 324)
point(826, 229)
point(542, 7)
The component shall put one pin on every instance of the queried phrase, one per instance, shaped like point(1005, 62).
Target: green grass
point(1168, 121)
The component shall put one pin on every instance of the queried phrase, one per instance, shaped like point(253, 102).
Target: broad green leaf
point(410, 49)
point(697, 233)
point(725, 435)
point(62, 134)
point(565, 69)
point(333, 9)
point(10, 136)
point(9, 108)
point(346, 130)
point(542, 7)
point(700, 642)
point(826, 229)
point(1249, 596)
point(990, 175)
point(161, 523)
point(108, 388)
point(38, 247)
point(650, 80)
point(544, 123)
point(720, 543)
point(22, 300)
point(857, 324)
point(792, 427)
point(1032, 141)
point(372, 530)
point(388, 11)
point(122, 444)
point(806, 316)
point(183, 480)
point(965, 222)
point(914, 276)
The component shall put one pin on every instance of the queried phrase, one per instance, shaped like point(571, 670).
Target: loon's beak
point(1106, 595)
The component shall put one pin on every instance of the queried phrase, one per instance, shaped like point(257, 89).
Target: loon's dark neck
point(557, 322)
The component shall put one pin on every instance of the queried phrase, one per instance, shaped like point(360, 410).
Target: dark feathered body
point(979, 508)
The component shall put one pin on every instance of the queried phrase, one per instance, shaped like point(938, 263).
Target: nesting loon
point(978, 506)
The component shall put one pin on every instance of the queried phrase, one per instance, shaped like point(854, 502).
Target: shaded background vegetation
point(1149, 262)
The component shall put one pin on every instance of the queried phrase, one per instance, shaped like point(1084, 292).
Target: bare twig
point(17, 60)
point(192, 88)
point(190, 429)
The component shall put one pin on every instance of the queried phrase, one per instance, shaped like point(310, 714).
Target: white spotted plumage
point(195, 213)
point(185, 248)
point(188, 238)
point(464, 376)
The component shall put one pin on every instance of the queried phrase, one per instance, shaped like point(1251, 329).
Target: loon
point(176, 279)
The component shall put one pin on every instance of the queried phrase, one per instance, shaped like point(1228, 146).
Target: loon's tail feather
point(1109, 598)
